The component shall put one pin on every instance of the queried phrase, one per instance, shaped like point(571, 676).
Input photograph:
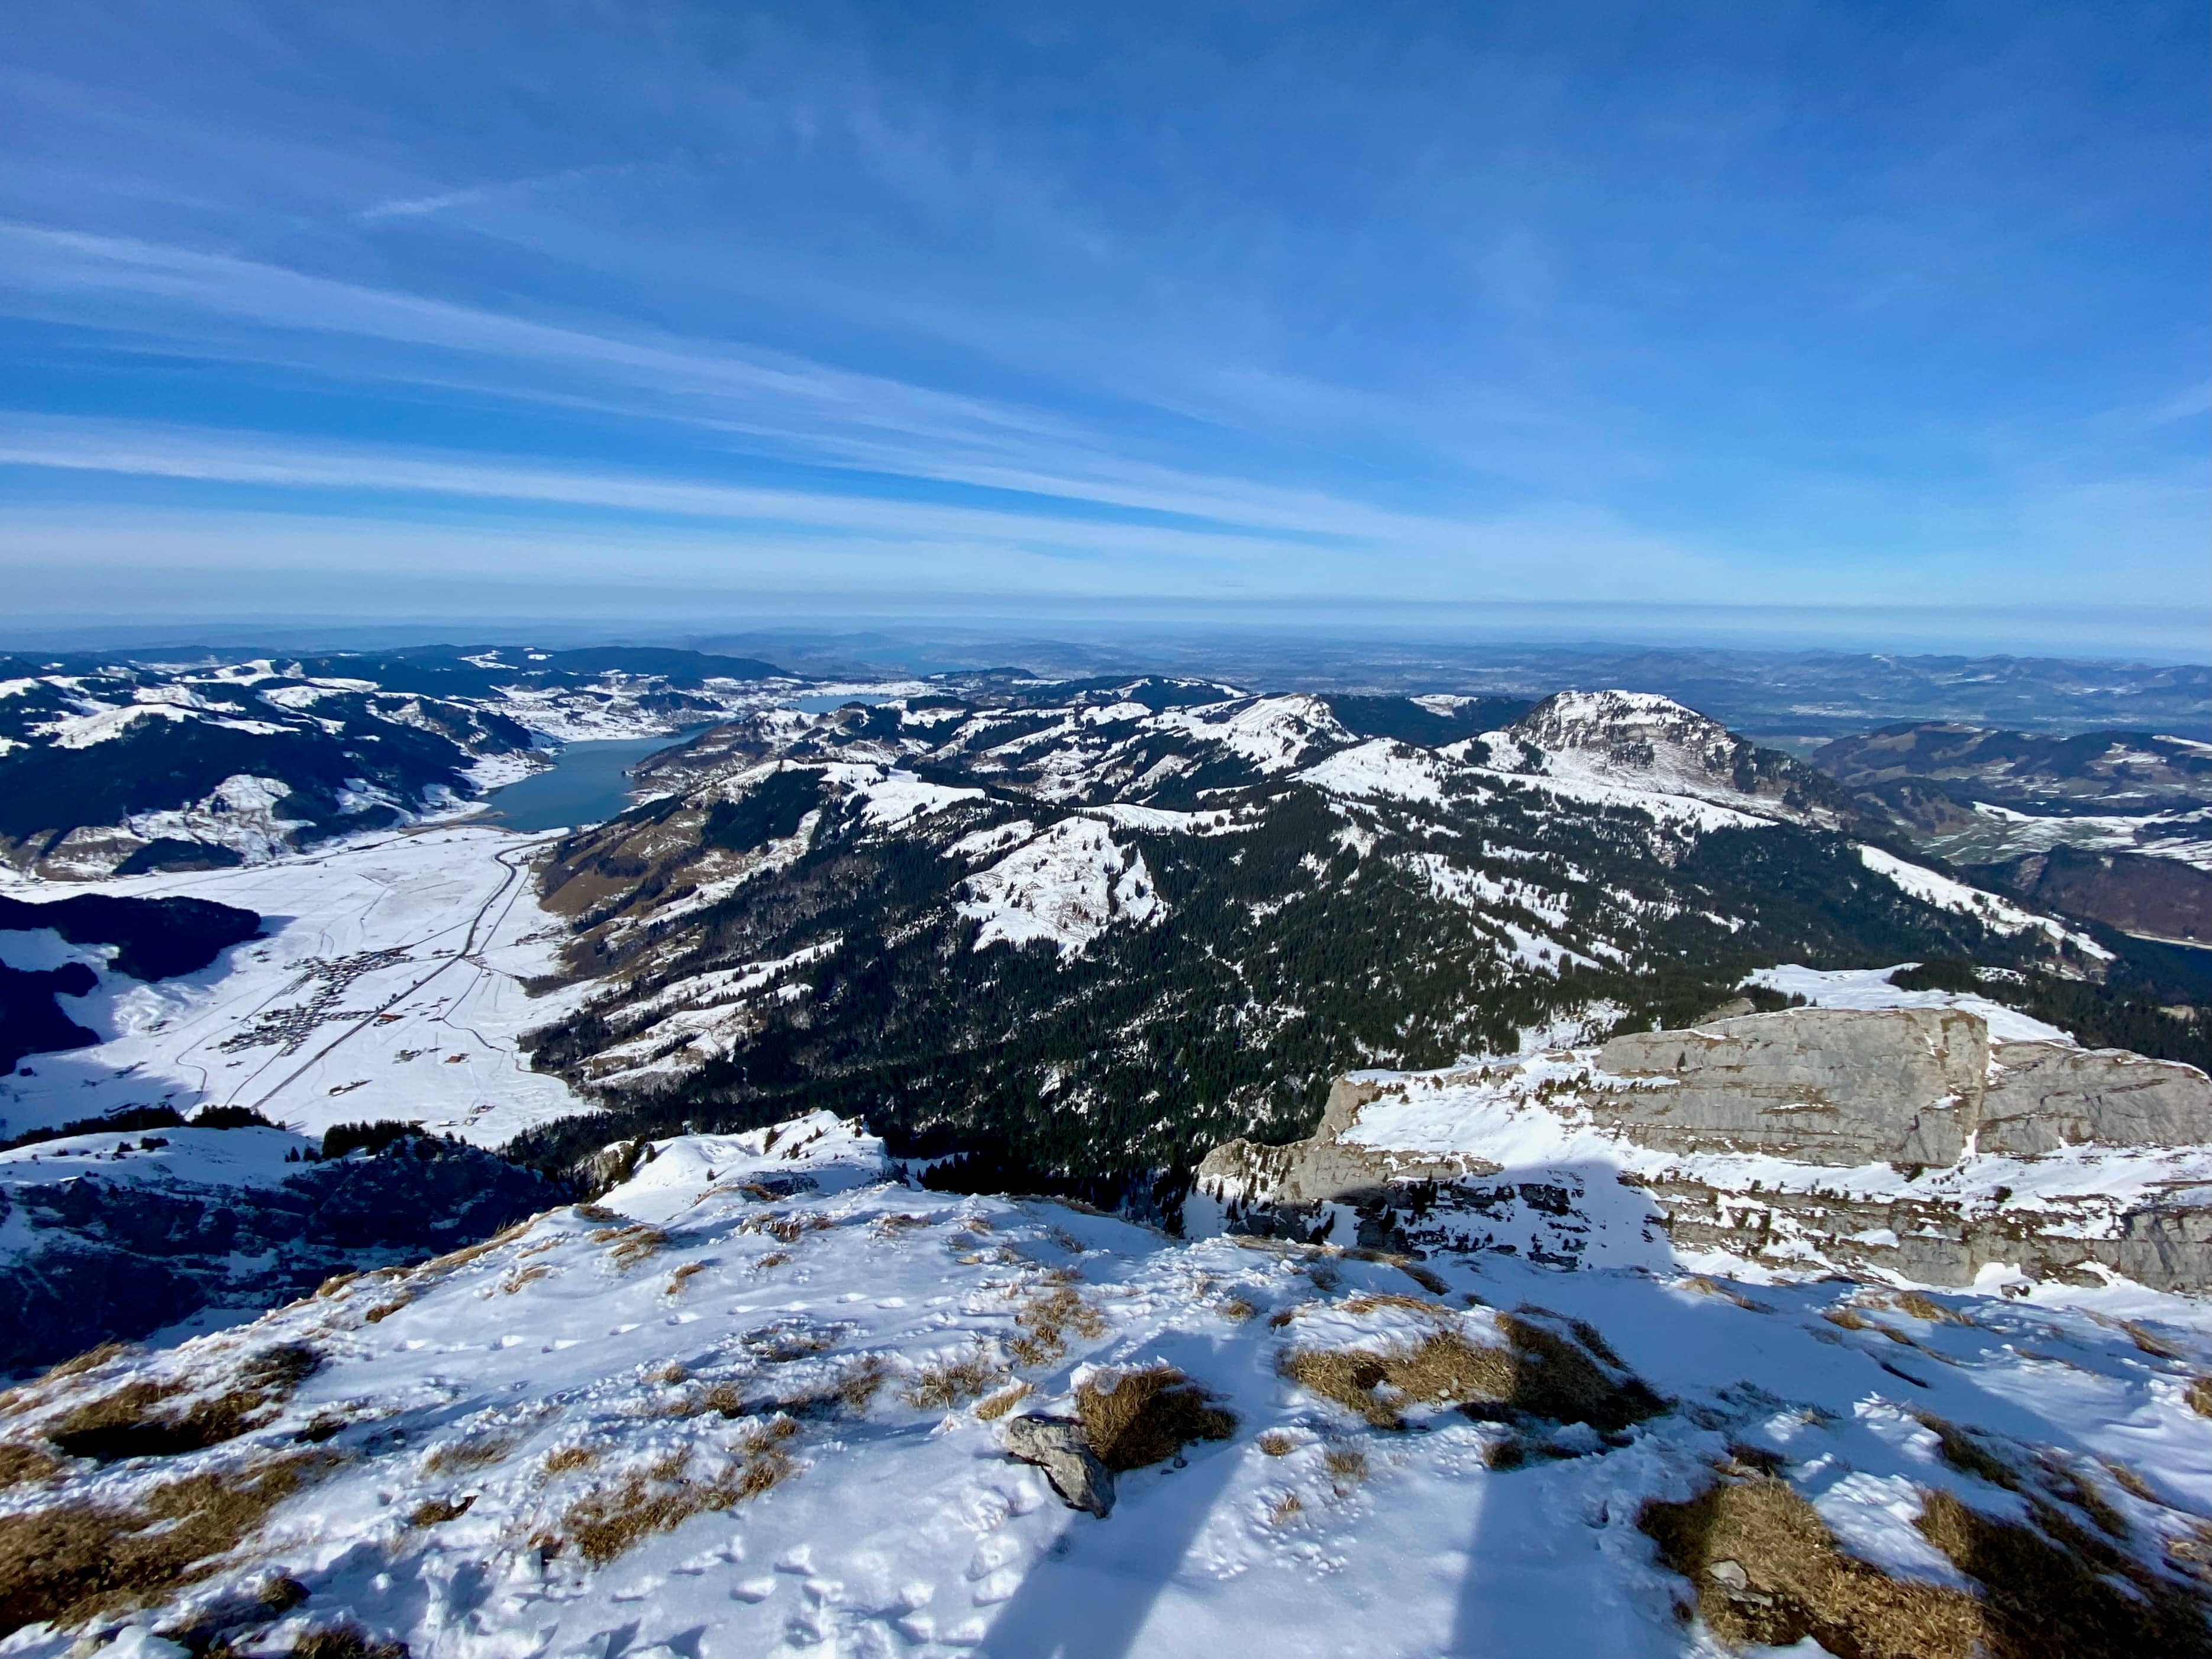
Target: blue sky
point(654, 309)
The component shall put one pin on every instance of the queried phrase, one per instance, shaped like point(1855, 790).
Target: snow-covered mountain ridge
point(758, 1400)
point(1102, 927)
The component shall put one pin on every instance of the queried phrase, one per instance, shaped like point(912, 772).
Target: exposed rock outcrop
point(1903, 1142)
point(1055, 1444)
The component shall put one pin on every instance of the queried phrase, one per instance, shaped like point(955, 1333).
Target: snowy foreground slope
point(756, 1401)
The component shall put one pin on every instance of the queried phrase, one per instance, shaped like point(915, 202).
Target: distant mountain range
point(114, 768)
point(2113, 825)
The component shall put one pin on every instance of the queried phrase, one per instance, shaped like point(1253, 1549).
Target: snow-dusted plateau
point(1102, 1168)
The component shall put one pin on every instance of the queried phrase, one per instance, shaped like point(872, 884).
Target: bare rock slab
point(1055, 1444)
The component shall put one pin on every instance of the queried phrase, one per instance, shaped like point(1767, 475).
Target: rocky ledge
point(1901, 1143)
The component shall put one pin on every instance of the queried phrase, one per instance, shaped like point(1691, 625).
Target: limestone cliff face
point(1958, 1152)
point(1815, 1085)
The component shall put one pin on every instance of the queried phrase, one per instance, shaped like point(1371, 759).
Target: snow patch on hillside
point(239, 813)
point(1067, 887)
point(891, 796)
point(1869, 987)
point(1273, 733)
point(1380, 768)
point(2000, 915)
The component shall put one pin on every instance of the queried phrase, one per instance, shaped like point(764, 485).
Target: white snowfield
point(1999, 915)
point(2184, 836)
point(1384, 768)
point(1272, 733)
point(1575, 776)
point(1066, 886)
point(1869, 987)
point(389, 986)
point(732, 1415)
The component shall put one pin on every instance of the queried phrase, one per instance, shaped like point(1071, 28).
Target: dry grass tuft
point(2063, 1483)
point(345, 1642)
point(529, 1275)
point(468, 1253)
point(1237, 1309)
point(945, 1384)
point(773, 1258)
point(2052, 1588)
point(384, 1311)
point(2150, 1342)
point(1287, 1509)
point(1963, 1452)
point(639, 1241)
point(1147, 1416)
point(676, 1280)
point(1705, 1286)
point(2199, 1395)
point(723, 1400)
point(128, 1421)
point(671, 1373)
point(1368, 1304)
point(607, 1521)
point(2131, 1482)
point(786, 1228)
point(782, 1343)
point(1537, 1373)
point(1767, 1571)
point(1276, 1443)
point(462, 1455)
point(2192, 1552)
point(992, 1406)
point(1929, 1309)
point(90, 1359)
point(598, 1213)
point(1347, 1467)
point(1043, 1321)
point(860, 1383)
point(22, 1465)
point(1850, 1318)
point(67, 1562)
point(569, 1457)
point(438, 1510)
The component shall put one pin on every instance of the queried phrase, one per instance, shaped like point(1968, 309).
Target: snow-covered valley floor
point(734, 1412)
point(388, 985)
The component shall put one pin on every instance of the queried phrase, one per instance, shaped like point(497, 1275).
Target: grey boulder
point(1055, 1445)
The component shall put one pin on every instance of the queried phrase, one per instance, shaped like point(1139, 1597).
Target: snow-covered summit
point(1643, 741)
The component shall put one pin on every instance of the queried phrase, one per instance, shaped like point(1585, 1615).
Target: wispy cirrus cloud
point(1392, 553)
point(469, 196)
point(800, 408)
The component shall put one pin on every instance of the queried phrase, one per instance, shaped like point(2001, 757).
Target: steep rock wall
point(1734, 1132)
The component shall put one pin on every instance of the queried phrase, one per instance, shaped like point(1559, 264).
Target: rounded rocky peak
point(1582, 720)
